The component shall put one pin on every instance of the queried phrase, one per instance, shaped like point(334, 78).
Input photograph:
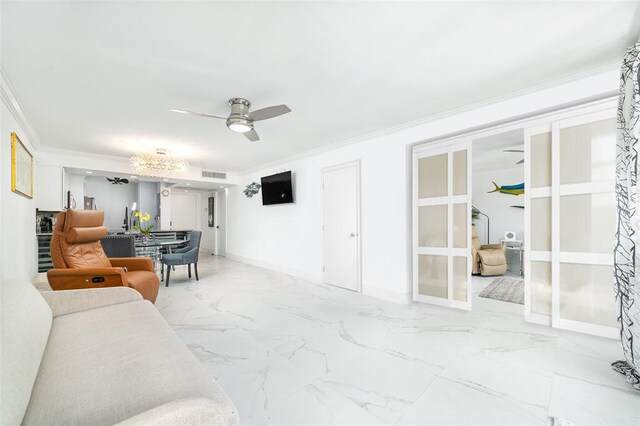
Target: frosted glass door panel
point(460, 172)
point(587, 152)
point(442, 223)
point(432, 176)
point(432, 227)
point(460, 225)
point(460, 278)
point(432, 276)
point(541, 160)
point(541, 288)
point(541, 224)
point(586, 294)
point(588, 223)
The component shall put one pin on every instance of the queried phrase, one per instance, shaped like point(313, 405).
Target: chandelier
point(159, 165)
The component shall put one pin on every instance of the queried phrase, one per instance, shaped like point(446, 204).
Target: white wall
point(498, 206)
point(75, 184)
point(18, 244)
point(289, 237)
point(112, 199)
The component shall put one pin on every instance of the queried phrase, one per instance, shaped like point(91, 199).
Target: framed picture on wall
point(21, 168)
point(210, 211)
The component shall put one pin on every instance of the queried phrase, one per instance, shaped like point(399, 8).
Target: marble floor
point(290, 352)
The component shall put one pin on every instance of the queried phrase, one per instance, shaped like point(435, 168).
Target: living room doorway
point(498, 222)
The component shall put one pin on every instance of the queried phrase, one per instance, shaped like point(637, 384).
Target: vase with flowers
point(145, 230)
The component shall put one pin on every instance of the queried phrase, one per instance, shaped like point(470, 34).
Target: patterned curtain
point(627, 260)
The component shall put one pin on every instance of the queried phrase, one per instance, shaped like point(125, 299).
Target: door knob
point(353, 234)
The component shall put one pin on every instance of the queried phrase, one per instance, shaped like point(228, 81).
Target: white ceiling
point(99, 77)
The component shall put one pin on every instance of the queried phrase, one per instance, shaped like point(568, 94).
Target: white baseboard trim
point(377, 292)
point(391, 296)
point(272, 267)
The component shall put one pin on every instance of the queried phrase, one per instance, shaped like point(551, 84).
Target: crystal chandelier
point(159, 165)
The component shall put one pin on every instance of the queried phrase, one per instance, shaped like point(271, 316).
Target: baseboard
point(377, 292)
point(384, 294)
point(272, 267)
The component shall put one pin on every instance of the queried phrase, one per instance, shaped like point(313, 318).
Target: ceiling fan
point(515, 150)
point(118, 181)
point(240, 119)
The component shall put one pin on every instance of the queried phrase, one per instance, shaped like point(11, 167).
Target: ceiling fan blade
point(252, 135)
point(521, 161)
point(269, 112)
point(125, 181)
point(513, 150)
point(203, 114)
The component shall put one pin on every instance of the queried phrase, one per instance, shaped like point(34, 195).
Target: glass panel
point(541, 160)
point(588, 152)
point(432, 176)
point(588, 223)
point(432, 275)
point(460, 172)
point(541, 224)
point(460, 278)
point(541, 288)
point(432, 226)
point(586, 294)
point(460, 225)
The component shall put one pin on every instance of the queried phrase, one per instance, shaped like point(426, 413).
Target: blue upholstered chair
point(184, 256)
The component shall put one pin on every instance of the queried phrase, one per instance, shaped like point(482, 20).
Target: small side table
point(517, 246)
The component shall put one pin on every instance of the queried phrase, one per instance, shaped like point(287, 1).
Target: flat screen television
point(277, 189)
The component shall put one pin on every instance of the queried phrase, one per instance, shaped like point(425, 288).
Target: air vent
point(216, 175)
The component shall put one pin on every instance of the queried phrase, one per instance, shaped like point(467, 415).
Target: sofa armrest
point(70, 301)
point(190, 411)
point(80, 278)
point(133, 263)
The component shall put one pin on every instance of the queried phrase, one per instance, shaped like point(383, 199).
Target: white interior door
point(341, 224)
point(184, 211)
point(570, 218)
point(442, 224)
point(220, 222)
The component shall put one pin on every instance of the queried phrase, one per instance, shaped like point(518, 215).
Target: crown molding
point(10, 99)
point(445, 114)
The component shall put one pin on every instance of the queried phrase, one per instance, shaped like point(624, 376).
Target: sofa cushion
point(105, 365)
point(26, 321)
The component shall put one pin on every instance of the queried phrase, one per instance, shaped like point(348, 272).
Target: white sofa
point(99, 357)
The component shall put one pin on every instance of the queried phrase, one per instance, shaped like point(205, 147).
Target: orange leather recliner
point(79, 261)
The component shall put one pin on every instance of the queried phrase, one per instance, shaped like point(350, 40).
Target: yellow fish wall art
point(509, 189)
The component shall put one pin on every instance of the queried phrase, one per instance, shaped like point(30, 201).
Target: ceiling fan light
point(240, 127)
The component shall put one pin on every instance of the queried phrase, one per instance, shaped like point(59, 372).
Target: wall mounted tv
point(277, 189)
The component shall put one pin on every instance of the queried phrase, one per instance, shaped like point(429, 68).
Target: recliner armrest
point(492, 246)
point(82, 278)
point(133, 263)
point(70, 301)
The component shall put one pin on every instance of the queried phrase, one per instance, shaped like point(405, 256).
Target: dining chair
point(184, 256)
point(119, 245)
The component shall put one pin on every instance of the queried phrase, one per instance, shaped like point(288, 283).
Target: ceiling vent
point(215, 175)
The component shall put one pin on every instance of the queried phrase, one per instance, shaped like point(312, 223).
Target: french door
point(570, 222)
point(442, 224)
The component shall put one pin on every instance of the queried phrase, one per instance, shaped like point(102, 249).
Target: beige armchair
point(488, 259)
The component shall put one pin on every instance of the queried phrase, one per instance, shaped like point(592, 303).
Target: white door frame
point(349, 164)
point(448, 147)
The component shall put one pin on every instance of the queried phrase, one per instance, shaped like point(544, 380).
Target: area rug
point(505, 289)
